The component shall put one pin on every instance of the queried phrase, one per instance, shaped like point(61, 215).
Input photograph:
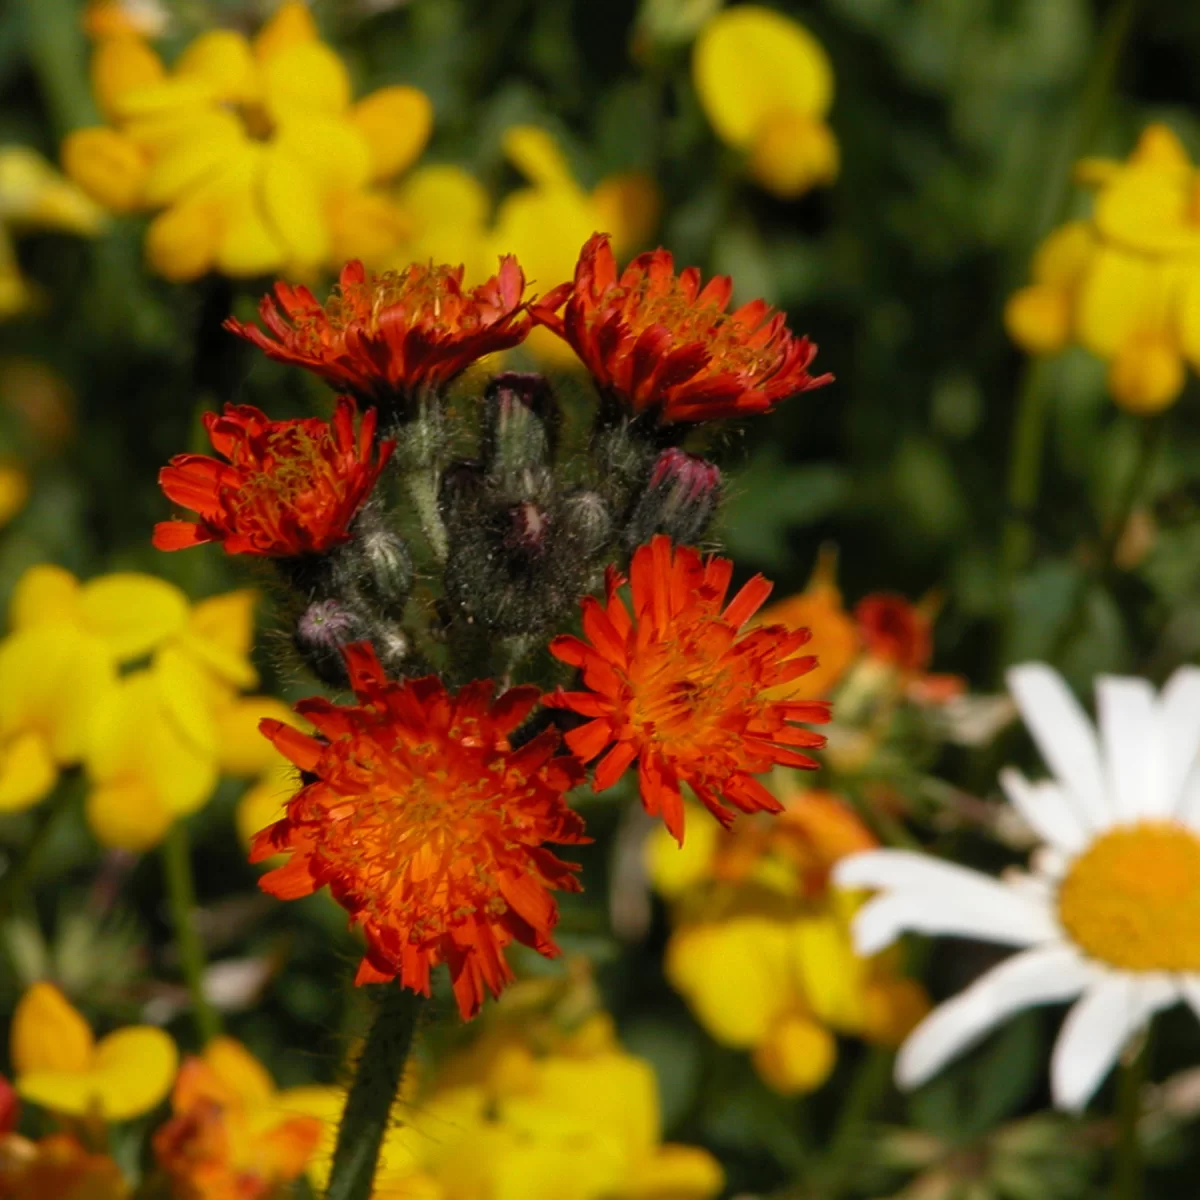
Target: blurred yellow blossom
point(766, 85)
point(14, 491)
point(231, 1133)
point(516, 1118)
point(60, 1065)
point(761, 948)
point(1124, 283)
point(253, 152)
point(34, 196)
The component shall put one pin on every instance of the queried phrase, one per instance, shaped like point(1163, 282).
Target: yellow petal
point(735, 975)
point(27, 772)
point(44, 594)
point(48, 1033)
point(120, 65)
point(109, 166)
point(445, 194)
point(1117, 297)
point(188, 163)
point(1148, 212)
point(750, 62)
point(396, 122)
point(797, 1056)
point(1064, 255)
point(221, 58)
point(132, 612)
point(832, 975)
point(127, 815)
point(239, 1071)
point(34, 196)
point(628, 207)
point(544, 228)
point(182, 241)
point(14, 492)
point(369, 226)
point(674, 868)
point(15, 294)
point(1146, 375)
point(305, 77)
point(220, 633)
point(1038, 318)
point(185, 693)
point(535, 153)
point(293, 207)
point(249, 245)
point(137, 1066)
point(676, 1173)
point(331, 148)
point(242, 749)
point(791, 153)
point(894, 1007)
point(1187, 315)
point(265, 802)
point(291, 24)
point(1159, 147)
point(173, 98)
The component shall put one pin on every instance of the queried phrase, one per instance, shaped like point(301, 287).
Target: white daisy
point(1110, 912)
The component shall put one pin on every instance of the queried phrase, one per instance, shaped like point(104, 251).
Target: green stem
point(867, 1089)
point(58, 51)
point(181, 895)
point(423, 489)
point(369, 1104)
point(1131, 1079)
point(20, 875)
point(1029, 433)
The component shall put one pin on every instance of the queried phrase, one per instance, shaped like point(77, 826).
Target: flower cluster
point(428, 805)
point(252, 153)
point(1122, 282)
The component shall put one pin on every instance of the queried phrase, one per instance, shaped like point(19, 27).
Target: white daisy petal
point(1179, 723)
point(1044, 975)
point(1065, 738)
point(1046, 809)
point(1099, 1027)
point(1130, 733)
point(1188, 812)
point(1189, 985)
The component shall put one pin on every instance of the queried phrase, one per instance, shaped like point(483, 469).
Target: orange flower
point(288, 488)
point(678, 687)
point(427, 825)
point(383, 337)
point(57, 1167)
point(895, 631)
point(225, 1140)
point(659, 341)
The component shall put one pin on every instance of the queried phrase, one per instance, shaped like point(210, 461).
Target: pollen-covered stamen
point(1132, 899)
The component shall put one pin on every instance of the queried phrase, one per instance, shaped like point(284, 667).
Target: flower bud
point(528, 531)
point(387, 567)
point(587, 522)
point(323, 629)
point(679, 501)
point(520, 424)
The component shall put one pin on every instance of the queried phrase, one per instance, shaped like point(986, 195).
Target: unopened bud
point(387, 567)
point(461, 483)
point(679, 501)
point(520, 424)
point(528, 530)
point(323, 629)
point(587, 522)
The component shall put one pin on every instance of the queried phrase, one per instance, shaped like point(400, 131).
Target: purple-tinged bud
point(528, 530)
point(587, 522)
point(679, 500)
point(323, 629)
point(520, 424)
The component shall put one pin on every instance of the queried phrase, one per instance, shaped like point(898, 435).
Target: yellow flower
point(543, 223)
point(34, 196)
point(60, 1066)
point(1124, 284)
point(762, 949)
point(253, 153)
point(580, 1122)
point(766, 85)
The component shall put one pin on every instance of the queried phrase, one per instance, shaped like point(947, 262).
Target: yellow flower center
point(1133, 898)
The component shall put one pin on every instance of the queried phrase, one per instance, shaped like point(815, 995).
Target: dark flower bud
point(587, 522)
point(528, 530)
point(462, 484)
point(520, 424)
point(323, 629)
point(679, 500)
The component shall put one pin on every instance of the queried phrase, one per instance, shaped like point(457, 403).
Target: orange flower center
point(1132, 899)
point(298, 464)
point(727, 341)
point(423, 293)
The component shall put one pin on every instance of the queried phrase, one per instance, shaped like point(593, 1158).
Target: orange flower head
point(659, 341)
point(678, 686)
point(57, 1167)
point(287, 488)
point(428, 827)
point(895, 631)
point(216, 1147)
point(384, 337)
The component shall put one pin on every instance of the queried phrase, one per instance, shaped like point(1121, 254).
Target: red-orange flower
point(384, 336)
point(658, 340)
point(57, 1167)
point(427, 825)
point(678, 686)
point(288, 487)
point(895, 631)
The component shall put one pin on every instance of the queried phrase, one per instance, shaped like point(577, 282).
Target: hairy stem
point(373, 1092)
point(1131, 1078)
